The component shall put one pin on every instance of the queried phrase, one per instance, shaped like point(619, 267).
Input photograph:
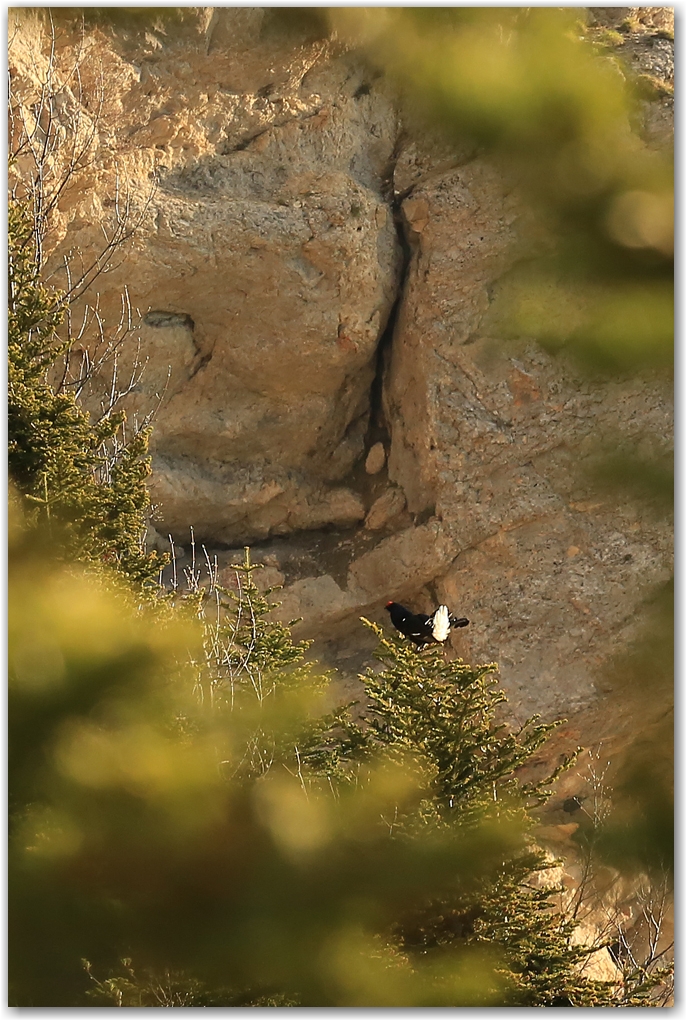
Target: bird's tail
point(440, 623)
point(462, 621)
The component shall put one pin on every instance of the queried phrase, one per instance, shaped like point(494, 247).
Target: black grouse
point(422, 628)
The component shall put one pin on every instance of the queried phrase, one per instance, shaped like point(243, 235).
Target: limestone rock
point(643, 18)
point(267, 577)
point(384, 509)
point(318, 601)
point(598, 966)
point(645, 47)
point(376, 458)
point(401, 564)
point(153, 540)
point(341, 507)
point(392, 569)
point(264, 265)
point(492, 446)
point(255, 501)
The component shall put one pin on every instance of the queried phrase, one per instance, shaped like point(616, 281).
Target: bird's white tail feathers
point(440, 626)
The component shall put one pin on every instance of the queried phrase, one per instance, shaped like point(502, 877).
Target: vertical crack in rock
point(378, 424)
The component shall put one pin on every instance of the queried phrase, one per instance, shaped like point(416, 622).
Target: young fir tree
point(445, 711)
point(57, 457)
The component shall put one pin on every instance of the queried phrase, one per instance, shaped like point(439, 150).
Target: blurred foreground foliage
point(528, 88)
point(184, 797)
point(640, 830)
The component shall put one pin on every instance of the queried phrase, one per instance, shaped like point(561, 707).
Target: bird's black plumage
point(424, 628)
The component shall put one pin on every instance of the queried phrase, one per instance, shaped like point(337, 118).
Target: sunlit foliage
point(138, 831)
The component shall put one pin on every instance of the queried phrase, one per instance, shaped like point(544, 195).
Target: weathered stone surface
point(267, 577)
point(255, 498)
point(265, 269)
point(598, 966)
point(265, 264)
point(318, 601)
point(376, 458)
point(393, 568)
point(637, 19)
point(645, 45)
point(402, 564)
point(384, 509)
point(547, 571)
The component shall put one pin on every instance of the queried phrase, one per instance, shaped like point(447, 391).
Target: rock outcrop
point(492, 444)
point(319, 297)
point(265, 261)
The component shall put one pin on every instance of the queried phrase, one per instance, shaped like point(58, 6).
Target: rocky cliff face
point(319, 297)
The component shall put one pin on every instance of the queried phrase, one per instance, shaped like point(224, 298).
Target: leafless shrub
point(54, 138)
point(630, 917)
point(54, 123)
point(129, 989)
point(230, 638)
point(237, 665)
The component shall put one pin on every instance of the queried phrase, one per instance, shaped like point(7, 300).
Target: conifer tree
point(446, 712)
point(442, 713)
point(93, 503)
